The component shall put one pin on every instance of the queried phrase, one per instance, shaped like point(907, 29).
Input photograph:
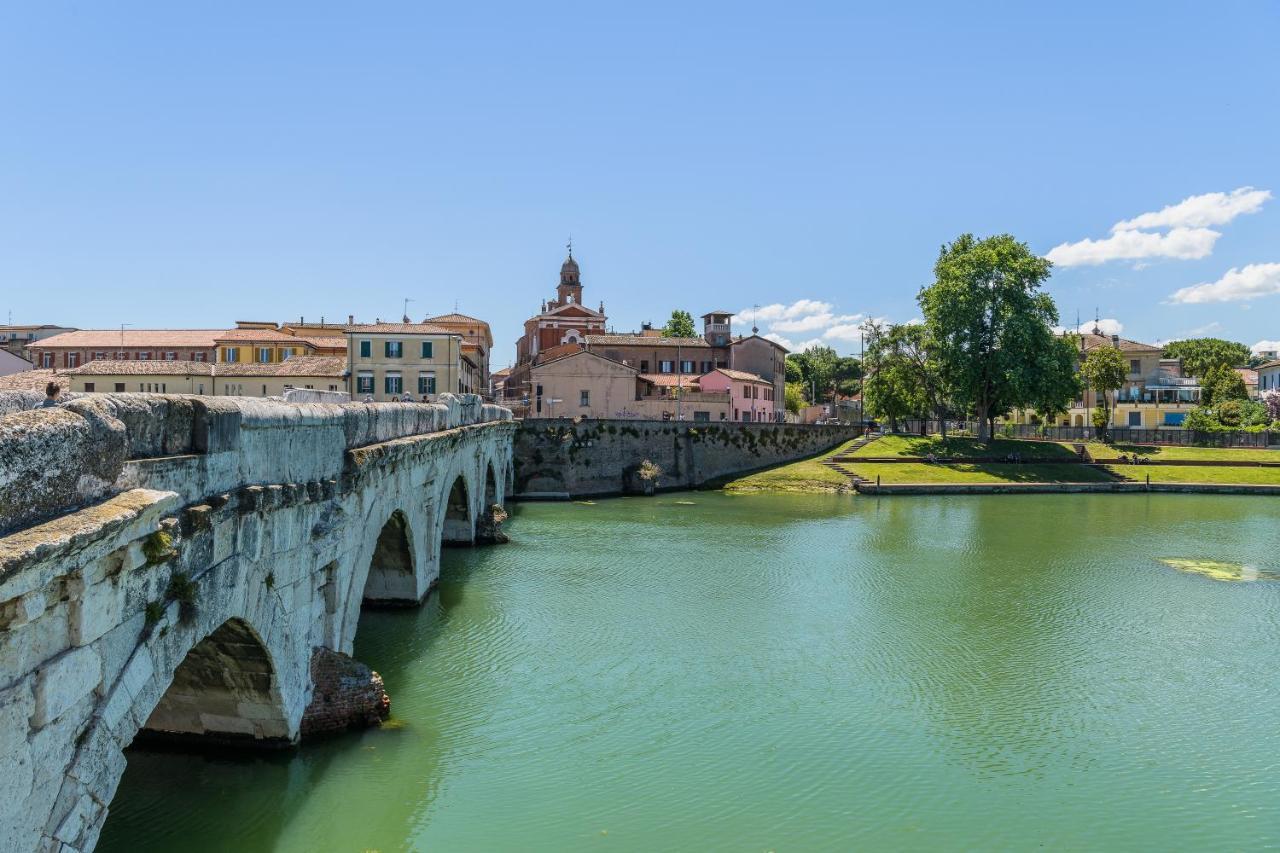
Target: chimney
point(1115, 341)
point(351, 319)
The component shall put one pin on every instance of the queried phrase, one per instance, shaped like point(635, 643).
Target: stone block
point(64, 681)
point(98, 609)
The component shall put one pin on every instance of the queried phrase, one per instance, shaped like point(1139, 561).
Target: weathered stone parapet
point(346, 695)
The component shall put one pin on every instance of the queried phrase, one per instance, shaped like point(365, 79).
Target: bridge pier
point(215, 608)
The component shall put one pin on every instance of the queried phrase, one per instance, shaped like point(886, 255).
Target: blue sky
point(168, 165)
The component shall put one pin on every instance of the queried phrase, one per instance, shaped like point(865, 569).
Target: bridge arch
point(458, 519)
point(391, 575)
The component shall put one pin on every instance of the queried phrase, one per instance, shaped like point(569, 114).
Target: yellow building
point(477, 343)
point(389, 360)
point(259, 346)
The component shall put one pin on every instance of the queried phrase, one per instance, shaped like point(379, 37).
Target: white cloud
point(848, 332)
point(1185, 225)
point(1199, 211)
point(778, 311)
point(1238, 284)
point(814, 322)
point(1107, 325)
point(1206, 329)
point(1266, 346)
point(1180, 243)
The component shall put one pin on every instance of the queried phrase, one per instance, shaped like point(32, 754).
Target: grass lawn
point(977, 472)
point(1192, 474)
point(807, 475)
point(1155, 453)
point(963, 448)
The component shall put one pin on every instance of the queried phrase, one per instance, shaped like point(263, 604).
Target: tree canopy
point(1219, 384)
point(1105, 369)
point(680, 325)
point(820, 371)
point(1199, 355)
point(991, 326)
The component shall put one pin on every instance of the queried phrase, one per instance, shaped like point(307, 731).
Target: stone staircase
point(837, 461)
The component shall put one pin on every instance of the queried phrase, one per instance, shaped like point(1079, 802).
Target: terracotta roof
point(110, 339)
point(740, 339)
point(108, 367)
point(33, 380)
point(1089, 341)
point(1267, 365)
point(255, 335)
point(570, 350)
point(397, 329)
point(324, 341)
point(558, 351)
point(299, 365)
point(34, 328)
point(641, 340)
point(1248, 374)
point(506, 371)
point(669, 380)
point(456, 318)
point(741, 375)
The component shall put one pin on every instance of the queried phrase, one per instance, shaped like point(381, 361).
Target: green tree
point(847, 375)
point(991, 324)
point(891, 390)
point(816, 368)
point(1219, 384)
point(680, 325)
point(1200, 355)
point(794, 397)
point(1104, 369)
point(1059, 380)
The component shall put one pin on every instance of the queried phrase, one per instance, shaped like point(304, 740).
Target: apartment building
point(385, 361)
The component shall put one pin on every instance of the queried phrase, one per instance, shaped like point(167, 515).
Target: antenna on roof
point(407, 300)
point(755, 328)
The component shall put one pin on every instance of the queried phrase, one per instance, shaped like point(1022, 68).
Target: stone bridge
point(195, 567)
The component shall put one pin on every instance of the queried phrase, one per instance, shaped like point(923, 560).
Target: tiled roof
point(741, 375)
point(255, 335)
point(299, 365)
point(558, 351)
point(740, 340)
point(1249, 375)
point(506, 371)
point(108, 367)
point(669, 380)
point(324, 341)
point(456, 318)
point(641, 340)
point(1089, 341)
point(1268, 365)
point(110, 339)
point(397, 329)
point(33, 380)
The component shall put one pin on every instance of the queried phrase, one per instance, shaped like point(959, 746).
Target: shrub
point(649, 471)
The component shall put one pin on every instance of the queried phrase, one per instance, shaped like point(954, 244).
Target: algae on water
point(1220, 570)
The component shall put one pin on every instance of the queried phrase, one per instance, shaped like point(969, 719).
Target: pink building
point(750, 397)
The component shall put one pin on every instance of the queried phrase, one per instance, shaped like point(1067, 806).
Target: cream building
point(388, 360)
point(583, 383)
point(477, 343)
point(324, 373)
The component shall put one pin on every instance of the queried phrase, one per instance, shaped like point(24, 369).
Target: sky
point(190, 165)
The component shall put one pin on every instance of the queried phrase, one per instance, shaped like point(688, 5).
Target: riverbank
point(809, 476)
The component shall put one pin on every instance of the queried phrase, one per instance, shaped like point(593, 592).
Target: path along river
point(718, 672)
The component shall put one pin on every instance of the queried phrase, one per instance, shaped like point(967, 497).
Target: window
point(666, 367)
point(231, 355)
point(198, 356)
point(99, 356)
point(144, 356)
point(264, 355)
point(364, 383)
point(171, 356)
point(704, 367)
point(119, 387)
point(538, 396)
point(426, 383)
point(702, 416)
point(287, 353)
point(366, 349)
point(426, 350)
point(392, 384)
point(391, 349)
point(88, 386)
point(73, 359)
point(1135, 419)
point(1135, 365)
point(746, 393)
point(46, 360)
point(584, 398)
point(686, 367)
point(644, 365)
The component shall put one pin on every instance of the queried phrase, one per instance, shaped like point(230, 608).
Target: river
point(748, 672)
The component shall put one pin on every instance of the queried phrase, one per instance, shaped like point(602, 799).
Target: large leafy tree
point(1059, 382)
point(991, 324)
point(1105, 369)
point(890, 390)
point(1219, 384)
point(821, 371)
point(909, 358)
point(680, 325)
point(1199, 355)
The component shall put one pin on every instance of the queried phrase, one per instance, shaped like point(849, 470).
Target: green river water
point(739, 672)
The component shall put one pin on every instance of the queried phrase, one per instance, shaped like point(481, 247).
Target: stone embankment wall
point(200, 573)
point(559, 458)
